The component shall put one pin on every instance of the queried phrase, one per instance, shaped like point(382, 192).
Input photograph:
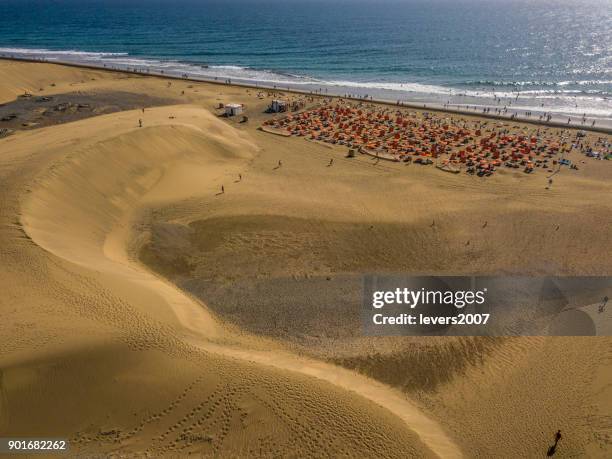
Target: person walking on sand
point(240, 177)
point(139, 122)
point(222, 189)
point(603, 304)
point(553, 449)
point(331, 162)
point(280, 163)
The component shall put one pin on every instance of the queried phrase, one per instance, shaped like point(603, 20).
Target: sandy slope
point(122, 360)
point(294, 240)
point(95, 182)
point(20, 77)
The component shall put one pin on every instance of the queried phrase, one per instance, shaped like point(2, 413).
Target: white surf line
point(557, 121)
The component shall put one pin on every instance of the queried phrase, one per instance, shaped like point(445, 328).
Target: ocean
point(550, 56)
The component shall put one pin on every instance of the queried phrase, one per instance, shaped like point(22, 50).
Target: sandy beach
point(176, 282)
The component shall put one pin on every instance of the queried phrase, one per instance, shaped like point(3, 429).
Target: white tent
point(278, 106)
point(233, 109)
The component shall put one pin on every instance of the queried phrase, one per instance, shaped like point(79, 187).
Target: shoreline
point(421, 107)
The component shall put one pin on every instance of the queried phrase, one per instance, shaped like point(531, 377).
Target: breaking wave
point(589, 96)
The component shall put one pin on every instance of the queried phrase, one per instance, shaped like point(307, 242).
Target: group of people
point(402, 135)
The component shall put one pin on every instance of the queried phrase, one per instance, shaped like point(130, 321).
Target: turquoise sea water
point(549, 55)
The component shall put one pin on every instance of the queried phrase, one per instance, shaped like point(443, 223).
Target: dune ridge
point(97, 189)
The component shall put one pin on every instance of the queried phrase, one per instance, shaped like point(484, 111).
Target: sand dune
point(294, 243)
point(148, 313)
point(96, 188)
point(19, 78)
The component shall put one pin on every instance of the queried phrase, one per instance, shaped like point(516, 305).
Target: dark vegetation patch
point(32, 111)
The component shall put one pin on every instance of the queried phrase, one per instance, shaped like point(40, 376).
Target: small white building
point(278, 106)
point(233, 109)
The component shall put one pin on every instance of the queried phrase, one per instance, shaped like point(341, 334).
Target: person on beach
point(331, 162)
point(603, 304)
point(139, 122)
point(553, 449)
point(222, 189)
point(240, 177)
